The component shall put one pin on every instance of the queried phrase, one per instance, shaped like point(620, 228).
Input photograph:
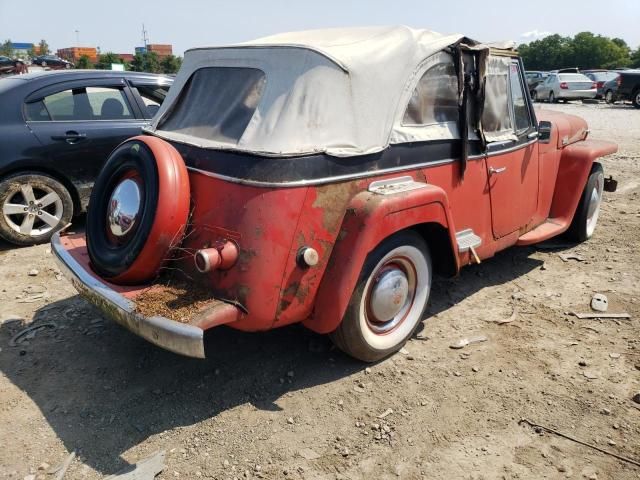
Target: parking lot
point(285, 404)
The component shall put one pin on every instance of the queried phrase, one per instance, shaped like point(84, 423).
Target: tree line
point(585, 50)
point(142, 62)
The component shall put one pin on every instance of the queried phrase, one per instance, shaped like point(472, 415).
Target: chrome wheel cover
point(390, 295)
point(124, 208)
point(33, 211)
point(595, 200)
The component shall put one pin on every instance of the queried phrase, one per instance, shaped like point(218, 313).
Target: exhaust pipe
point(216, 258)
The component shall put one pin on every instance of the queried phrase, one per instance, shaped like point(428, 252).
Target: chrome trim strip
point(174, 336)
point(321, 181)
point(512, 149)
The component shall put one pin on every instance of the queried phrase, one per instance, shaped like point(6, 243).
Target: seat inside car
point(111, 109)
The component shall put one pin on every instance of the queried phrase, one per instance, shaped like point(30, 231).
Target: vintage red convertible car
point(322, 177)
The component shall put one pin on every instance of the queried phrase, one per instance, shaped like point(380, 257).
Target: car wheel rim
point(33, 211)
point(595, 200)
point(609, 97)
point(124, 209)
point(390, 295)
point(638, 98)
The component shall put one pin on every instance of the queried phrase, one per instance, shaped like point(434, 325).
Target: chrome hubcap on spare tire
point(123, 209)
point(390, 295)
point(595, 200)
point(33, 211)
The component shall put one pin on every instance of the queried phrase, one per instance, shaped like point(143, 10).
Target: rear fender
point(575, 166)
point(369, 219)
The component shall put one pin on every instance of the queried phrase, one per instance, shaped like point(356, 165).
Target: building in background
point(140, 50)
point(162, 50)
point(73, 54)
point(125, 57)
point(21, 49)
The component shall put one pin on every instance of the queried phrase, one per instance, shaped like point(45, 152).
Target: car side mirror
point(544, 131)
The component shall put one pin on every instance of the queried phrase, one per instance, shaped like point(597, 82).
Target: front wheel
point(34, 206)
point(534, 96)
point(389, 299)
point(636, 99)
point(586, 216)
point(552, 97)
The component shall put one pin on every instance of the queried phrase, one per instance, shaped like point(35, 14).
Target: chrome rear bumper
point(174, 336)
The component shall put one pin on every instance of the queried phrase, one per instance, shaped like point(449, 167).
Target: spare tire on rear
point(138, 210)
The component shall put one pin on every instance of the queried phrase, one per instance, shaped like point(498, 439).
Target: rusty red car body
point(464, 205)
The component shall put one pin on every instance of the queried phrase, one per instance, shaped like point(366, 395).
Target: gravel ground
point(284, 404)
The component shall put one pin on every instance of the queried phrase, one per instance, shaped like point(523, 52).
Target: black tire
point(635, 98)
point(608, 97)
point(534, 96)
point(41, 220)
point(360, 334)
point(586, 216)
point(552, 97)
point(110, 259)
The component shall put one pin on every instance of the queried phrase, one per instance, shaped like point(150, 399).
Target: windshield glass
point(573, 77)
point(217, 104)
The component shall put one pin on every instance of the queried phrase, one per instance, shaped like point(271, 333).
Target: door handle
point(70, 137)
point(493, 171)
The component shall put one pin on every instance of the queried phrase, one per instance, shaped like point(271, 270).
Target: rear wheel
point(608, 97)
point(34, 206)
point(586, 216)
point(636, 98)
point(534, 96)
point(389, 299)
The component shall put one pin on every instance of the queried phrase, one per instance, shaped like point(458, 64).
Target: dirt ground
point(284, 404)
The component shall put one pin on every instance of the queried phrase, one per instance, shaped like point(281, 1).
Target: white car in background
point(565, 86)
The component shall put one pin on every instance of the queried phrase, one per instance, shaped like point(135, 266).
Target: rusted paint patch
point(332, 200)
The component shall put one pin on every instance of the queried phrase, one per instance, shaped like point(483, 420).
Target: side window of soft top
point(435, 98)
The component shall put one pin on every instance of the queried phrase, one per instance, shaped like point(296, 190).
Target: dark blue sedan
point(56, 131)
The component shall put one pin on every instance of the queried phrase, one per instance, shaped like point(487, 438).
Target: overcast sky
point(116, 25)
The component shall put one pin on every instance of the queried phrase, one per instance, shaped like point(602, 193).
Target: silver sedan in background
point(565, 86)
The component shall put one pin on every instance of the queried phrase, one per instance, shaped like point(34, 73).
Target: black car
point(56, 131)
point(9, 65)
point(626, 87)
point(52, 61)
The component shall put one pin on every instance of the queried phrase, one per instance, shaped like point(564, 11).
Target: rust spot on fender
point(332, 200)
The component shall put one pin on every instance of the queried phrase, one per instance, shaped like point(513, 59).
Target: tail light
point(564, 85)
point(619, 80)
point(595, 85)
point(599, 85)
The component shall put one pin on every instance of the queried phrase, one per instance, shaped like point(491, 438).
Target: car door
point(79, 123)
point(512, 158)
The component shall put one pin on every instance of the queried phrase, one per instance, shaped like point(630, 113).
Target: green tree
point(106, 59)
point(547, 53)
point(171, 64)
point(635, 59)
point(31, 52)
point(6, 49)
point(43, 47)
point(146, 62)
point(596, 51)
point(83, 62)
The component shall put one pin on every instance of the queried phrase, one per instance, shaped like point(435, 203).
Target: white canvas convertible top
point(338, 91)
